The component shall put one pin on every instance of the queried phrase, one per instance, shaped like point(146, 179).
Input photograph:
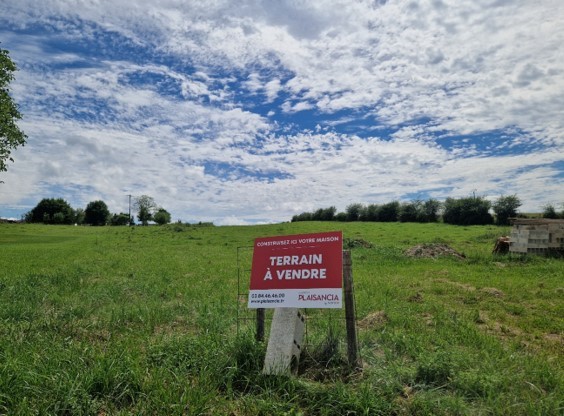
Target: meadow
point(153, 320)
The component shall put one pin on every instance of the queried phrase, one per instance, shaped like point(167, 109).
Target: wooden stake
point(260, 325)
point(352, 346)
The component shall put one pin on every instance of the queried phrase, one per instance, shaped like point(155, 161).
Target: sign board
point(297, 271)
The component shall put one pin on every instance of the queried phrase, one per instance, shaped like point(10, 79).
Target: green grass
point(143, 320)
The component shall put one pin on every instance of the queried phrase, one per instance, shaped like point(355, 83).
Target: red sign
point(297, 271)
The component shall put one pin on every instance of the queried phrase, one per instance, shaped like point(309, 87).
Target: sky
point(252, 111)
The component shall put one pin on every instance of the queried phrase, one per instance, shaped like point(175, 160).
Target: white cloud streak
point(446, 68)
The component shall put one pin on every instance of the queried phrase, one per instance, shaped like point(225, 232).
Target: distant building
point(9, 220)
point(540, 236)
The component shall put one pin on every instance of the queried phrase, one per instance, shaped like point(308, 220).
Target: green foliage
point(430, 210)
point(370, 213)
point(322, 214)
point(161, 217)
point(435, 369)
point(145, 206)
point(304, 216)
point(340, 216)
point(389, 212)
point(467, 211)
point(51, 211)
point(96, 213)
point(120, 219)
point(354, 212)
point(505, 207)
point(79, 216)
point(10, 134)
point(116, 320)
point(416, 211)
point(549, 211)
point(411, 211)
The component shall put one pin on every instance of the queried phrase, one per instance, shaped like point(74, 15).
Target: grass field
point(144, 320)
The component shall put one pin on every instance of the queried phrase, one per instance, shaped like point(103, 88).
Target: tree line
point(59, 211)
point(473, 210)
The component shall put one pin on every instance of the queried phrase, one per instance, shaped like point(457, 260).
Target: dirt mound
point(493, 292)
point(349, 243)
point(374, 320)
point(433, 250)
point(417, 298)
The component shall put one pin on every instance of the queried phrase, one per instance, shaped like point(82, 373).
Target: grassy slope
point(143, 320)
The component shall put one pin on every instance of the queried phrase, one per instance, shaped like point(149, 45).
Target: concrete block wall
point(539, 236)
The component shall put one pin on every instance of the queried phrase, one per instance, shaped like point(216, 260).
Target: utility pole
point(129, 209)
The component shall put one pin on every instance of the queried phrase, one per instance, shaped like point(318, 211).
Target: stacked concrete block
point(537, 236)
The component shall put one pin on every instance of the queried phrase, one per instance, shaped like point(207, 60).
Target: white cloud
point(272, 88)
point(447, 68)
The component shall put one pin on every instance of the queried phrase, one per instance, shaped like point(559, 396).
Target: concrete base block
point(285, 341)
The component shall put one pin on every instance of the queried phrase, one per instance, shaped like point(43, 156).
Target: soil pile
point(355, 243)
point(433, 251)
point(374, 320)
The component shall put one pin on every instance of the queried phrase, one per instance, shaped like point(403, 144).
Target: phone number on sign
point(268, 295)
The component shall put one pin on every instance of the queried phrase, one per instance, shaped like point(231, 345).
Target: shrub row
point(473, 210)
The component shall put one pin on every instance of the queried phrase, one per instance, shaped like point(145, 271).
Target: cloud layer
point(252, 111)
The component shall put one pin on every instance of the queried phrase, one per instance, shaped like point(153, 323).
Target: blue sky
point(242, 112)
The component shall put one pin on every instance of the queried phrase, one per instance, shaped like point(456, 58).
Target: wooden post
point(260, 325)
point(350, 316)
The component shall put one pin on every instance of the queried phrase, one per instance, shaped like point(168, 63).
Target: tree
point(467, 211)
point(96, 213)
point(410, 211)
point(162, 216)
point(145, 206)
point(79, 216)
point(548, 211)
point(10, 134)
point(120, 219)
point(505, 207)
point(353, 211)
point(52, 211)
point(324, 214)
point(341, 217)
point(431, 209)
point(304, 216)
point(389, 212)
point(370, 213)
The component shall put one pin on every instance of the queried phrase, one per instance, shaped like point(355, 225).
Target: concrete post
point(285, 341)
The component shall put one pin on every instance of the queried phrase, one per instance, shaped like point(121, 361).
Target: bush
point(96, 213)
point(162, 216)
point(324, 214)
point(341, 216)
point(411, 211)
point(431, 210)
point(505, 207)
point(354, 212)
point(51, 211)
point(389, 212)
point(370, 213)
point(304, 216)
point(120, 219)
point(549, 212)
point(467, 211)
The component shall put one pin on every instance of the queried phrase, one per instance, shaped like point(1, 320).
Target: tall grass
point(143, 320)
